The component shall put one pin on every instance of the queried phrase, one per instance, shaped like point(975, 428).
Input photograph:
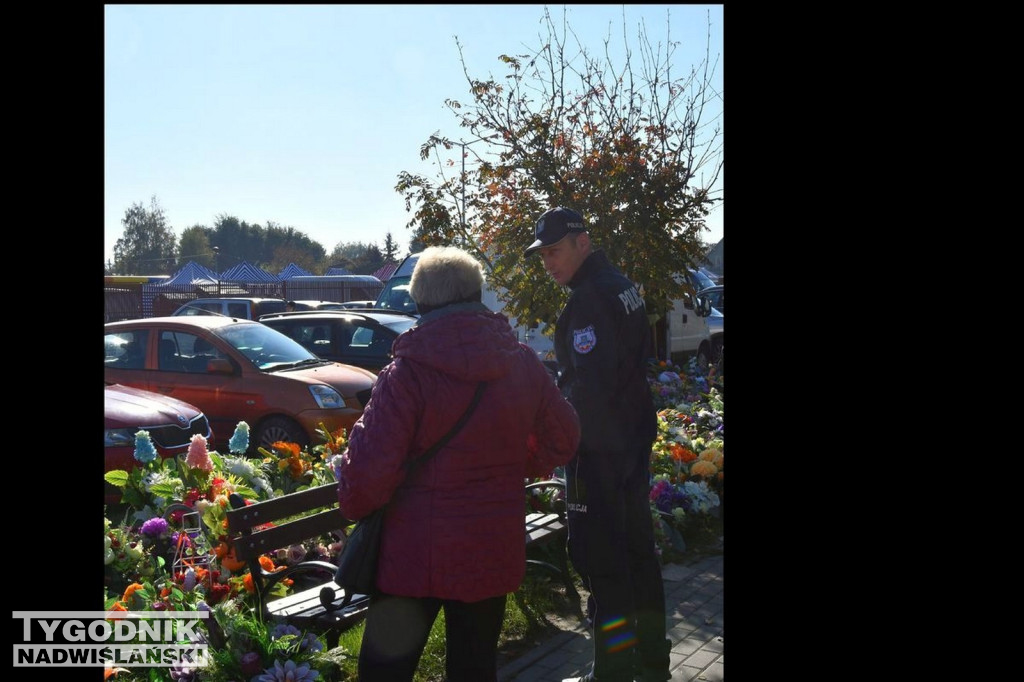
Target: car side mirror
point(219, 366)
point(703, 306)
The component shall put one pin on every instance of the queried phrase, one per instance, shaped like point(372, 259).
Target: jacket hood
point(465, 340)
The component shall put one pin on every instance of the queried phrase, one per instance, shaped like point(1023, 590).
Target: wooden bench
point(550, 528)
point(297, 517)
point(316, 602)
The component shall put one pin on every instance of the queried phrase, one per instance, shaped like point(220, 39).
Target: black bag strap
point(451, 433)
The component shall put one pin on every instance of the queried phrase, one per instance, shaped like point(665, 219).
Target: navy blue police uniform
point(602, 343)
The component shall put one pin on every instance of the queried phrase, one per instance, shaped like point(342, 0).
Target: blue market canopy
point(191, 273)
point(244, 272)
point(293, 270)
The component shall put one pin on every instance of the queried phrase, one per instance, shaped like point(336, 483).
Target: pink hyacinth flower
point(198, 457)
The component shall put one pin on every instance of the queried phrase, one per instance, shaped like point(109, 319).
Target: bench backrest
point(251, 536)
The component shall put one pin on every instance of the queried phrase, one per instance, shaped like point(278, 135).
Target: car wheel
point(717, 350)
point(703, 358)
point(280, 428)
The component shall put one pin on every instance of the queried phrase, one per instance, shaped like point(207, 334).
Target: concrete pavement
point(696, 626)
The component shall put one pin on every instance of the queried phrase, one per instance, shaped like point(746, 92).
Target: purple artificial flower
point(251, 664)
point(183, 538)
point(289, 672)
point(283, 629)
point(296, 553)
point(155, 527)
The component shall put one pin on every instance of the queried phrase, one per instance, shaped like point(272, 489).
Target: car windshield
point(395, 296)
point(703, 281)
point(267, 349)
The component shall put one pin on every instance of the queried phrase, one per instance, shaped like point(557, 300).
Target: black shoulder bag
point(357, 566)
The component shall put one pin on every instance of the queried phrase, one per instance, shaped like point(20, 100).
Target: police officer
point(602, 340)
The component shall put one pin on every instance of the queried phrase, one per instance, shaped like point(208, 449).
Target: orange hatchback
point(237, 370)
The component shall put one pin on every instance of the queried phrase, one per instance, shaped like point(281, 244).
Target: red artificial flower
point(217, 592)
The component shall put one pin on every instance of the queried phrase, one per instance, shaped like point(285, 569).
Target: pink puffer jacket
point(454, 529)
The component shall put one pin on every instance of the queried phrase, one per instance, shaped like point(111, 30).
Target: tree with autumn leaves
point(636, 148)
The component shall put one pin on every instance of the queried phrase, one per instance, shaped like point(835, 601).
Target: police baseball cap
point(554, 225)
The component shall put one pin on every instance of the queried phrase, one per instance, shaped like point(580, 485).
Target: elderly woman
point(453, 534)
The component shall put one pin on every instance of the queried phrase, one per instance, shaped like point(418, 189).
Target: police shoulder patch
point(584, 340)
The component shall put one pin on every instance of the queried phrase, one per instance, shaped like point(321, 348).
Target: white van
point(694, 327)
point(395, 296)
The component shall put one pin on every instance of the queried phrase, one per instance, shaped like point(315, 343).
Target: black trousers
point(397, 629)
point(612, 547)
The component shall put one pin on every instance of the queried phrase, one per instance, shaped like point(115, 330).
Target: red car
point(171, 423)
point(237, 370)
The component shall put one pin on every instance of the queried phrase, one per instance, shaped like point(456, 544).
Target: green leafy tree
point(636, 148)
point(237, 241)
point(195, 247)
point(370, 261)
point(417, 243)
point(302, 256)
point(285, 245)
point(148, 245)
point(344, 255)
point(356, 257)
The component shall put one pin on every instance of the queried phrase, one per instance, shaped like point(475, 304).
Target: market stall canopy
point(293, 270)
point(191, 273)
point(245, 272)
point(385, 271)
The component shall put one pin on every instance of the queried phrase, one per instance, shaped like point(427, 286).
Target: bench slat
point(307, 604)
point(301, 502)
point(290, 533)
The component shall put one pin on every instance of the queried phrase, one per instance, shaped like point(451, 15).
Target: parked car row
point(216, 362)
point(251, 308)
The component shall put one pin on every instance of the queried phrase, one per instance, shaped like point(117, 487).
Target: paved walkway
point(696, 626)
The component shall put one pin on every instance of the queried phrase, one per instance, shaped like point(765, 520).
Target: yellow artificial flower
point(702, 467)
point(714, 456)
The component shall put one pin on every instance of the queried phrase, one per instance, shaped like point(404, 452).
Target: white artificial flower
point(679, 436)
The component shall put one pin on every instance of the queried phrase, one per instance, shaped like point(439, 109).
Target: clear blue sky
point(305, 115)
